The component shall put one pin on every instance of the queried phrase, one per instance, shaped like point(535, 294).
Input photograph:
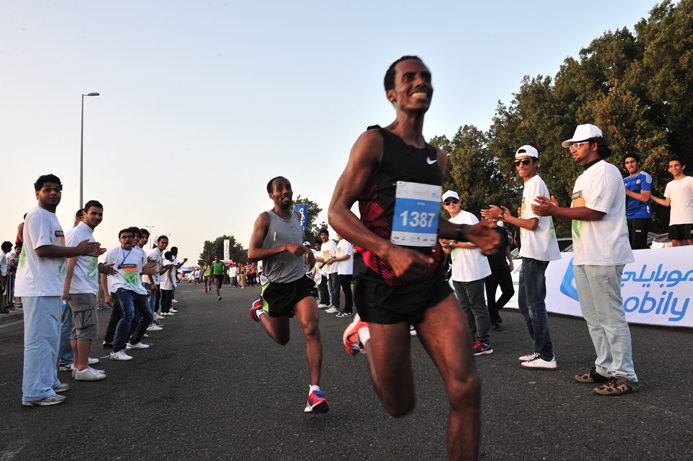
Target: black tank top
point(400, 162)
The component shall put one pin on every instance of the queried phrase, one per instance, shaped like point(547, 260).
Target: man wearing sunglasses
point(601, 250)
point(538, 248)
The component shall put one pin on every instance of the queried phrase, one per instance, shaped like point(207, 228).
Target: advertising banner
point(303, 211)
point(227, 249)
point(656, 289)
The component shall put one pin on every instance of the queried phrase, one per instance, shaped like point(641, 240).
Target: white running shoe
point(332, 310)
point(137, 346)
point(92, 361)
point(528, 357)
point(541, 364)
point(175, 301)
point(154, 327)
point(322, 306)
point(120, 355)
point(173, 310)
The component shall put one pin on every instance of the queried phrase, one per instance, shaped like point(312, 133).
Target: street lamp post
point(81, 154)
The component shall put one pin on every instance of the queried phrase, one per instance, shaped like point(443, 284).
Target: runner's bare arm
point(364, 158)
point(255, 250)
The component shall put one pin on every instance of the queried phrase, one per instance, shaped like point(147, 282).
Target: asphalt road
point(214, 386)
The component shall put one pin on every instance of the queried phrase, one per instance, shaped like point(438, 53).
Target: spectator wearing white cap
point(538, 248)
point(601, 250)
point(469, 270)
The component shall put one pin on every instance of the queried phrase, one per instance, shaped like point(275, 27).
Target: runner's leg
point(444, 334)
point(389, 361)
point(307, 313)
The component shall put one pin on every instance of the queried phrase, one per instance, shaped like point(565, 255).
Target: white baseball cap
point(449, 194)
point(583, 133)
point(529, 151)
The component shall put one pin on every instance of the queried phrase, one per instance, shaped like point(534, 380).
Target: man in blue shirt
point(638, 191)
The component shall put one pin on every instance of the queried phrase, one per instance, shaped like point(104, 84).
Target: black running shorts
point(386, 305)
point(280, 298)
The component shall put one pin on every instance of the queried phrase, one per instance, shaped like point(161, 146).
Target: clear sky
point(203, 102)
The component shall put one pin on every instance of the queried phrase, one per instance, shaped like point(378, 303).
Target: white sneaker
point(541, 364)
point(120, 355)
point(169, 313)
point(173, 310)
point(89, 374)
point(137, 346)
point(74, 371)
point(93, 361)
point(153, 327)
point(332, 310)
point(175, 301)
point(528, 357)
point(159, 317)
point(322, 306)
point(412, 330)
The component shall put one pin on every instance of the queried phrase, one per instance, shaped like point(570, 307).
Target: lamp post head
point(91, 94)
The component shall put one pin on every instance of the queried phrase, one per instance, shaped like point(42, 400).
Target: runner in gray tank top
point(277, 241)
point(283, 267)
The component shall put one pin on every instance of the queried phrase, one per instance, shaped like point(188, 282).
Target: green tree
point(472, 171)
point(312, 229)
point(216, 248)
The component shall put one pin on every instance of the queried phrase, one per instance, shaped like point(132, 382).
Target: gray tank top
point(283, 267)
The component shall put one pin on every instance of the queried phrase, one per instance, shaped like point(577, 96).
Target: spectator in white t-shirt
point(679, 195)
point(601, 250)
point(80, 290)
point(469, 269)
point(345, 269)
point(538, 248)
point(329, 252)
point(40, 282)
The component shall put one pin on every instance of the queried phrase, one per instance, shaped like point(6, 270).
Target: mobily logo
point(660, 307)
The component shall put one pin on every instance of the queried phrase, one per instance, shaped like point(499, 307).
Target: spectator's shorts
point(85, 322)
point(386, 304)
point(681, 232)
point(279, 299)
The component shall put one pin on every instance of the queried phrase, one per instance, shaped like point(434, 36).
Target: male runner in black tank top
point(396, 286)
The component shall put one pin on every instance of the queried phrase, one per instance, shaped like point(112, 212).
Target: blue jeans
point(531, 298)
point(129, 301)
point(333, 283)
point(471, 298)
point(65, 356)
point(599, 289)
point(41, 340)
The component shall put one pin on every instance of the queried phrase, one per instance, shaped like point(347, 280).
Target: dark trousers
point(116, 315)
point(637, 232)
point(502, 278)
point(345, 282)
point(166, 298)
point(323, 292)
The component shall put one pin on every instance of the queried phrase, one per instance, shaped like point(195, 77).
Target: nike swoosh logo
point(431, 162)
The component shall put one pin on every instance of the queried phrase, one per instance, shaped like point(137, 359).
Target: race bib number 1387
point(417, 208)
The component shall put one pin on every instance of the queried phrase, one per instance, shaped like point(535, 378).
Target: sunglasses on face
point(524, 161)
point(448, 202)
point(574, 146)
